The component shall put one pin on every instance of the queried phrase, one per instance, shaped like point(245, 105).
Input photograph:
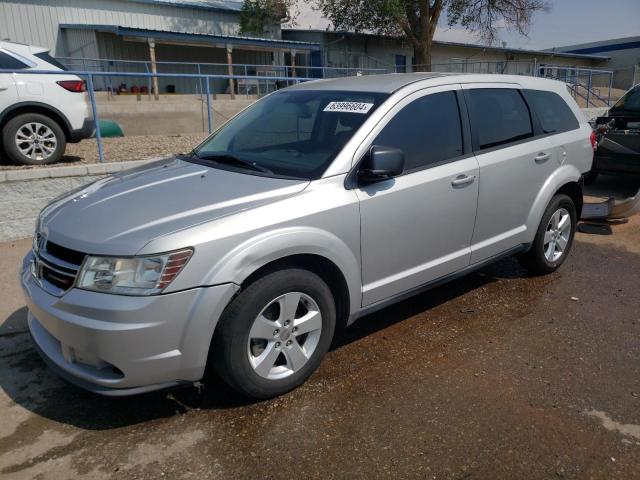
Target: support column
point(293, 63)
point(154, 67)
point(230, 70)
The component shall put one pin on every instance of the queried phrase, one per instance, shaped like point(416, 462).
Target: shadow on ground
point(28, 382)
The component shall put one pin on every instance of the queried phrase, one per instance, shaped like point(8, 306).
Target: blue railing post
point(206, 84)
point(200, 81)
point(146, 67)
point(610, 85)
point(94, 109)
point(589, 87)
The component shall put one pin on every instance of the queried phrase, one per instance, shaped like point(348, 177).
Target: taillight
point(594, 140)
point(72, 85)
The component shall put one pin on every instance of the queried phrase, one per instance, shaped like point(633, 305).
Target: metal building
point(623, 52)
point(156, 31)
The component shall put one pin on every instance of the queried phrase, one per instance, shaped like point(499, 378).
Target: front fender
point(563, 175)
point(258, 251)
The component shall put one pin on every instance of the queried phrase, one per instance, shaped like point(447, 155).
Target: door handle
point(542, 157)
point(462, 180)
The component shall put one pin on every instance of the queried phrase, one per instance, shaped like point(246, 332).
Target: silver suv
point(315, 206)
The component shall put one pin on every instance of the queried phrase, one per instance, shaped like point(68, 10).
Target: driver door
point(417, 227)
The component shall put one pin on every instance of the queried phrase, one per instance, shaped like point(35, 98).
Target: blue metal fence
point(90, 84)
point(589, 84)
point(584, 83)
point(242, 69)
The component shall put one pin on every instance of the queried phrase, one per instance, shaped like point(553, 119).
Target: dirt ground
point(121, 149)
point(496, 375)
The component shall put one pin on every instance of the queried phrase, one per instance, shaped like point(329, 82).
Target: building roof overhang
point(221, 41)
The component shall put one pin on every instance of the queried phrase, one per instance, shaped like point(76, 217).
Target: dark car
point(618, 138)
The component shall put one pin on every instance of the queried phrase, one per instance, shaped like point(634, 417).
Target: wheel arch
point(564, 180)
point(36, 107)
point(321, 266)
point(574, 191)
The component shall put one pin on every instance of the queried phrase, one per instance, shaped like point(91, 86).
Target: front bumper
point(123, 345)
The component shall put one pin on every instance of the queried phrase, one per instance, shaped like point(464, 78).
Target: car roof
point(392, 82)
point(22, 48)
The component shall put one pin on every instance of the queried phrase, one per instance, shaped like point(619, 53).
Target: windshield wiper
point(231, 159)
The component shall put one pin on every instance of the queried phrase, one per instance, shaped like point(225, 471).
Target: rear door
point(8, 91)
point(514, 164)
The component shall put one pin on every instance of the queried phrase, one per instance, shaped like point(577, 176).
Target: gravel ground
point(121, 149)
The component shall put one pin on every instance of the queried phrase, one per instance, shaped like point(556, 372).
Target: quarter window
point(9, 62)
point(553, 112)
point(427, 130)
point(498, 116)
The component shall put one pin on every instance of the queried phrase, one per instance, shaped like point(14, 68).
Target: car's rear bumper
point(617, 164)
point(86, 131)
point(120, 345)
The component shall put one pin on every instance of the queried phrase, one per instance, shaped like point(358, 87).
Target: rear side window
point(427, 130)
point(9, 62)
point(498, 116)
point(629, 103)
point(553, 112)
point(49, 59)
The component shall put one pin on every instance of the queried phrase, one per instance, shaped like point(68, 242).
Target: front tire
point(554, 237)
point(273, 335)
point(33, 139)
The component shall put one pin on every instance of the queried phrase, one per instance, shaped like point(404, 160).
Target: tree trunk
point(422, 57)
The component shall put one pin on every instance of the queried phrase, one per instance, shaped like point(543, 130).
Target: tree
point(416, 20)
point(257, 15)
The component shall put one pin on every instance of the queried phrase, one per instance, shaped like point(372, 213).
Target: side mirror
point(380, 164)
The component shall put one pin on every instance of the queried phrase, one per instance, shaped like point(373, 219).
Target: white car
point(39, 113)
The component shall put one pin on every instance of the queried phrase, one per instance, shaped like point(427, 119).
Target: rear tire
point(273, 335)
point(33, 139)
point(554, 237)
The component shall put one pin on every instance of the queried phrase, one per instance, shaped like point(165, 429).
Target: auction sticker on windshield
point(352, 107)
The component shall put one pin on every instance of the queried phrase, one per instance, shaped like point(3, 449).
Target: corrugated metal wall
point(36, 21)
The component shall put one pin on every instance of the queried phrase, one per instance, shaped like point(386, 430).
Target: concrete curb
point(39, 173)
point(23, 193)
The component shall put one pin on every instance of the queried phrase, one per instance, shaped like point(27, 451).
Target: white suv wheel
point(36, 141)
point(33, 139)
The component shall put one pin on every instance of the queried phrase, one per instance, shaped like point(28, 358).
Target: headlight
point(146, 275)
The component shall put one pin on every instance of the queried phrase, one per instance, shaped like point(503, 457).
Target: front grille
point(57, 267)
point(65, 254)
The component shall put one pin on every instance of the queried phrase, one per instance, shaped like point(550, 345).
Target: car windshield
point(630, 102)
point(292, 133)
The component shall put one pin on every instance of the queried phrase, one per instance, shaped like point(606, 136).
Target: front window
point(292, 133)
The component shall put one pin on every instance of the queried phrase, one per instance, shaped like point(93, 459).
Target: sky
point(567, 23)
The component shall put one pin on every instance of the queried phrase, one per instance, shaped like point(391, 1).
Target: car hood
point(119, 215)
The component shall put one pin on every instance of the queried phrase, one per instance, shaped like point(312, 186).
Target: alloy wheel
point(36, 141)
point(557, 235)
point(284, 335)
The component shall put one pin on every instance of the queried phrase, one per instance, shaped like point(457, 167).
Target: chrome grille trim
point(55, 275)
